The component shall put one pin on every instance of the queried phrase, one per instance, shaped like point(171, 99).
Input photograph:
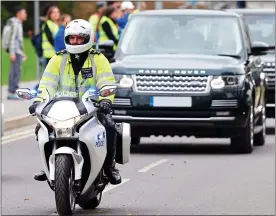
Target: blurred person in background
point(49, 30)
point(119, 20)
point(108, 28)
point(201, 5)
point(15, 49)
point(49, 26)
point(127, 8)
point(241, 4)
point(143, 7)
point(94, 19)
point(115, 4)
point(59, 38)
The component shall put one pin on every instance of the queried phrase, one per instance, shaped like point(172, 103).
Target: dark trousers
point(111, 137)
point(14, 75)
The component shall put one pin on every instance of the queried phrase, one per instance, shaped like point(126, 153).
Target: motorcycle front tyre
point(64, 176)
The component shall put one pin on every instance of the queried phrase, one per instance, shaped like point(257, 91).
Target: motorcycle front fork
point(77, 183)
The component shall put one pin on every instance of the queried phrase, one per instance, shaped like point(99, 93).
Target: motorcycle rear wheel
point(64, 181)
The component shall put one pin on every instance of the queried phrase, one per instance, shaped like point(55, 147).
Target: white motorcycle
point(72, 145)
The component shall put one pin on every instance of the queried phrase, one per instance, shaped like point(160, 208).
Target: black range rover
point(190, 73)
point(261, 23)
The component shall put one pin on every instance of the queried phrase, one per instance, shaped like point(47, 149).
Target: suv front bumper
point(218, 114)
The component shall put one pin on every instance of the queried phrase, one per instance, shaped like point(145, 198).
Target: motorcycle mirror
point(108, 90)
point(26, 93)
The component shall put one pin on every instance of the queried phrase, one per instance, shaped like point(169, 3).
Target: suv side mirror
point(106, 48)
point(259, 48)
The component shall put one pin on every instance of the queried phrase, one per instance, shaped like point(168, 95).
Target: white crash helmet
point(81, 28)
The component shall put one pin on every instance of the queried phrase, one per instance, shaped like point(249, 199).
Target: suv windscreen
point(261, 27)
point(182, 34)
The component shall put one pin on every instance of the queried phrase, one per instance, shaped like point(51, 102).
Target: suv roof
point(252, 11)
point(186, 12)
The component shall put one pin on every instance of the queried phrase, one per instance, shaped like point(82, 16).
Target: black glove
point(105, 106)
point(33, 107)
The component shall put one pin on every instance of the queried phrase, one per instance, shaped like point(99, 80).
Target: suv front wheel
point(243, 143)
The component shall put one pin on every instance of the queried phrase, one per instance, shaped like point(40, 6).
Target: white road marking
point(152, 165)
point(17, 136)
point(108, 188)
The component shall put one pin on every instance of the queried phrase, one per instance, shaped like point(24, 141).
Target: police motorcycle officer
point(78, 61)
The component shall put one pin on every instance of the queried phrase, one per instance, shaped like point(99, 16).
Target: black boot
point(38, 126)
point(110, 171)
point(40, 176)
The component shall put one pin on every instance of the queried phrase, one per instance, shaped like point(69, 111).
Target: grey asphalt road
point(183, 176)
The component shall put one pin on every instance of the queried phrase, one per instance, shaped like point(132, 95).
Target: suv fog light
point(119, 112)
point(222, 113)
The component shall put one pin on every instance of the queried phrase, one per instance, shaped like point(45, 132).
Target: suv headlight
point(124, 81)
point(219, 82)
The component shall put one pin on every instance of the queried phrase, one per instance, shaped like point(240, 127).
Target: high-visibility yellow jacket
point(103, 37)
point(94, 19)
point(47, 47)
point(59, 77)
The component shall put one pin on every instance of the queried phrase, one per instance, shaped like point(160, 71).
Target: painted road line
point(18, 138)
point(111, 187)
point(17, 134)
point(152, 165)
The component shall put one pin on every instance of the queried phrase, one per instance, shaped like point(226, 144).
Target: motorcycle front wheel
point(64, 185)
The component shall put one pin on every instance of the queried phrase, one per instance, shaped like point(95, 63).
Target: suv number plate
point(170, 101)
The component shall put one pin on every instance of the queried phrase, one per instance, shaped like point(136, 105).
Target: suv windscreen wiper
point(233, 56)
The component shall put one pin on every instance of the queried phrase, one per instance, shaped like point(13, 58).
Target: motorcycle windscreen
point(63, 110)
point(123, 144)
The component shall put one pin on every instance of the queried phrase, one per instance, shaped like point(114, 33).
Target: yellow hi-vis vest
point(94, 19)
point(59, 78)
point(47, 47)
point(103, 37)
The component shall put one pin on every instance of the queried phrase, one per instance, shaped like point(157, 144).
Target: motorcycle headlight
point(124, 81)
point(63, 128)
point(227, 81)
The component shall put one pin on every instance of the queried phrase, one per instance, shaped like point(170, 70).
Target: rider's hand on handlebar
point(33, 107)
point(105, 106)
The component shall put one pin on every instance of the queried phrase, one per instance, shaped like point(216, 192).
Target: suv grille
point(172, 84)
point(269, 69)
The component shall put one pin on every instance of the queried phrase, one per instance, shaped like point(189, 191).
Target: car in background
point(261, 23)
point(190, 73)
